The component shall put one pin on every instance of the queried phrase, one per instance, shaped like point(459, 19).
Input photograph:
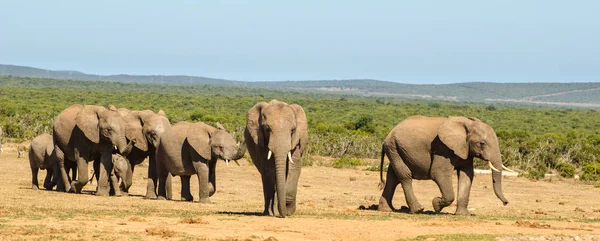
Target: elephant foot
point(462, 212)
point(439, 204)
point(74, 188)
point(102, 193)
point(291, 208)
point(384, 206)
point(417, 209)
point(161, 198)
point(35, 187)
point(205, 200)
point(48, 186)
point(150, 195)
point(187, 198)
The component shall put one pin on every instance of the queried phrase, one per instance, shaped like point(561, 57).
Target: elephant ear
point(198, 136)
point(253, 121)
point(453, 133)
point(301, 126)
point(87, 120)
point(134, 130)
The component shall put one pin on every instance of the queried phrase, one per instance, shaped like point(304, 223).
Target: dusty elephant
point(41, 157)
point(426, 148)
point(276, 135)
point(146, 127)
point(84, 133)
point(193, 148)
point(121, 169)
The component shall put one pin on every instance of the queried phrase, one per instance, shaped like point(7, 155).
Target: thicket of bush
point(536, 139)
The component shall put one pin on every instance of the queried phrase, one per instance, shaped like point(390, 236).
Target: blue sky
point(402, 41)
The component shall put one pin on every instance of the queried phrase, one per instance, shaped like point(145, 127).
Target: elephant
point(84, 133)
point(425, 148)
point(21, 151)
point(121, 169)
point(41, 157)
point(146, 127)
point(194, 148)
point(277, 132)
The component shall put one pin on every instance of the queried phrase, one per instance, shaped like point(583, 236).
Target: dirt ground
point(329, 209)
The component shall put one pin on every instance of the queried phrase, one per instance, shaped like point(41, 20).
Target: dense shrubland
point(535, 139)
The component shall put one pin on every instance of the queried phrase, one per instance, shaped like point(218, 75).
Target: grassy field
point(333, 204)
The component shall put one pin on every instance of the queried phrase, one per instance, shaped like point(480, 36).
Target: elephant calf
point(193, 148)
point(426, 148)
point(121, 172)
point(41, 157)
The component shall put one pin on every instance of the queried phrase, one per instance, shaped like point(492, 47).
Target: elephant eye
point(482, 143)
point(294, 130)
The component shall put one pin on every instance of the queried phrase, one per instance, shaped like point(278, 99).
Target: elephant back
point(64, 124)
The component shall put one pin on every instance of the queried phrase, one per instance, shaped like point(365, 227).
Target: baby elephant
point(193, 148)
point(40, 157)
point(21, 151)
point(121, 170)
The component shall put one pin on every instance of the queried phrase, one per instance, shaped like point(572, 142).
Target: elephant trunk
point(280, 182)
point(240, 152)
point(128, 178)
point(124, 147)
point(497, 179)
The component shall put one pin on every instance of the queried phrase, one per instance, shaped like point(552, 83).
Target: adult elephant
point(426, 148)
point(84, 133)
point(193, 149)
point(146, 127)
point(277, 134)
point(41, 157)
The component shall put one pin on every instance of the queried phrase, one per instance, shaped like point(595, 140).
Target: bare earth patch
point(333, 204)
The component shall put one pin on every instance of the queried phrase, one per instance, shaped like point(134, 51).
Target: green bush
point(565, 169)
point(346, 161)
point(535, 174)
point(591, 172)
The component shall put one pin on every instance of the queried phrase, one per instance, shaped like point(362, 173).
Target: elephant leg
point(212, 178)
point(444, 182)
point(48, 181)
point(404, 176)
point(114, 184)
point(268, 181)
point(125, 185)
point(63, 182)
point(385, 201)
point(202, 172)
point(465, 179)
point(82, 179)
point(34, 178)
point(152, 178)
point(164, 183)
point(106, 167)
point(186, 195)
point(292, 183)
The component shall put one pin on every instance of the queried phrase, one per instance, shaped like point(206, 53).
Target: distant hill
point(560, 94)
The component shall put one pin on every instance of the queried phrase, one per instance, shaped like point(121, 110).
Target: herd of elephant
point(276, 136)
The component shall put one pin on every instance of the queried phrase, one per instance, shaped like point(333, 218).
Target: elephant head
point(99, 124)
point(146, 127)
point(470, 137)
point(214, 143)
point(278, 129)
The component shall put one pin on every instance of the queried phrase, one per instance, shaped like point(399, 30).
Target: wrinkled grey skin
point(121, 169)
point(41, 157)
point(426, 148)
point(146, 127)
point(280, 128)
point(193, 149)
point(84, 133)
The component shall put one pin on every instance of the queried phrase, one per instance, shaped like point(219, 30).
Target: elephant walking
point(276, 135)
point(193, 148)
point(41, 157)
point(146, 127)
point(426, 148)
point(84, 133)
point(121, 169)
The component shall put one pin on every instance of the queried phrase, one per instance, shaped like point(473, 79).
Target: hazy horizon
point(421, 42)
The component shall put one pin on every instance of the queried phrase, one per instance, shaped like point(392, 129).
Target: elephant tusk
point(506, 168)
point(290, 157)
point(492, 167)
point(236, 162)
point(227, 162)
point(269, 155)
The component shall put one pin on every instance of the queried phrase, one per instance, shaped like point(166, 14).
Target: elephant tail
point(381, 180)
